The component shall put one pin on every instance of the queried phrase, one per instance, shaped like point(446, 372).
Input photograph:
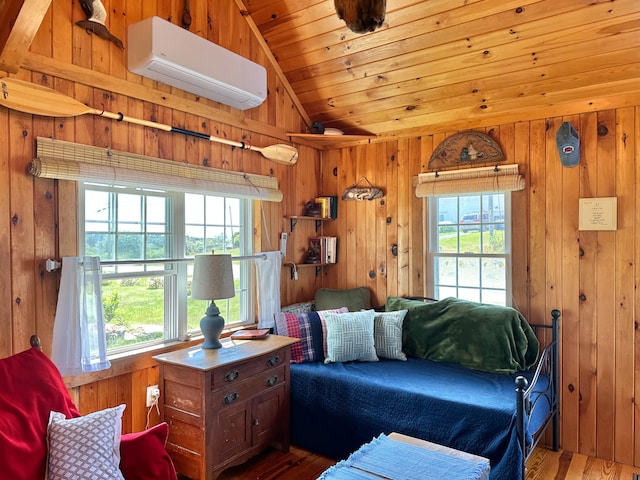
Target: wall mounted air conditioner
point(162, 51)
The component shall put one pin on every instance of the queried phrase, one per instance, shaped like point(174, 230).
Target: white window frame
point(432, 223)
point(176, 273)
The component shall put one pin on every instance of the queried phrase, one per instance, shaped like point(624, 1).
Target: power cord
point(156, 398)
point(294, 270)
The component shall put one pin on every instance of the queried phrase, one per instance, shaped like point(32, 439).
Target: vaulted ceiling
point(444, 64)
point(434, 65)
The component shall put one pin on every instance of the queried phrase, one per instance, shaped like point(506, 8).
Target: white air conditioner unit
point(162, 51)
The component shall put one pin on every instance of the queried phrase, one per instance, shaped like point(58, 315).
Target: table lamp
point(212, 280)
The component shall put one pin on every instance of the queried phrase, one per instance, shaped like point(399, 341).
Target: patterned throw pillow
point(308, 328)
point(85, 447)
point(350, 337)
point(387, 334)
point(302, 307)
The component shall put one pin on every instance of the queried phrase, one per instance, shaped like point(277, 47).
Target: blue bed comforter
point(335, 408)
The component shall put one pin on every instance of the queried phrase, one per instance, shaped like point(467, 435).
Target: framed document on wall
point(598, 213)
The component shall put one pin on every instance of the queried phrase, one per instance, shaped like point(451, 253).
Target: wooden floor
point(549, 465)
point(543, 465)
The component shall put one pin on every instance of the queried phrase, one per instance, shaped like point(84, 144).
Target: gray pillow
point(350, 337)
point(387, 334)
point(355, 299)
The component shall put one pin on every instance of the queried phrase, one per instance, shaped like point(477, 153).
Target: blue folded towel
point(396, 460)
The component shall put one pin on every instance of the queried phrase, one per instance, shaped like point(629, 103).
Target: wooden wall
point(39, 215)
point(590, 276)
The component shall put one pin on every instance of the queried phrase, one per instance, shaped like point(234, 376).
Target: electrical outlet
point(153, 395)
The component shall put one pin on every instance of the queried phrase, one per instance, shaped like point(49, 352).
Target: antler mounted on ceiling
point(361, 16)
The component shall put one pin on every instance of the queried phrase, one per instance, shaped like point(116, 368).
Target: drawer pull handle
point(255, 422)
point(271, 381)
point(273, 361)
point(231, 376)
point(229, 399)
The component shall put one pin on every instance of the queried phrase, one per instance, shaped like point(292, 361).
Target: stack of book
point(327, 248)
point(328, 206)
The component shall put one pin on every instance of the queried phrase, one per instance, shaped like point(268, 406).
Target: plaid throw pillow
point(308, 328)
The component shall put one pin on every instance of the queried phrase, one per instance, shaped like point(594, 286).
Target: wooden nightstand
point(224, 406)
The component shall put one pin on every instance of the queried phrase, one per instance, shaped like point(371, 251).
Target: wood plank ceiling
point(435, 65)
point(440, 65)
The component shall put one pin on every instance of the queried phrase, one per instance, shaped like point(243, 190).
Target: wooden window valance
point(504, 178)
point(74, 161)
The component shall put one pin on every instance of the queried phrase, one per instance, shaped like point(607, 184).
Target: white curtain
point(268, 273)
point(79, 343)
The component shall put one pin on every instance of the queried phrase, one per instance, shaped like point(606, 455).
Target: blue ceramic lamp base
point(211, 325)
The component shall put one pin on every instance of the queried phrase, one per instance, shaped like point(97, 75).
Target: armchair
point(32, 388)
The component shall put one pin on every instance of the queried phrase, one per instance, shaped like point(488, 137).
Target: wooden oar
point(38, 100)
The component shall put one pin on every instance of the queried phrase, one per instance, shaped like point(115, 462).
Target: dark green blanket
point(483, 337)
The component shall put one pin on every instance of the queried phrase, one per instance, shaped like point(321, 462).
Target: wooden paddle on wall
point(38, 100)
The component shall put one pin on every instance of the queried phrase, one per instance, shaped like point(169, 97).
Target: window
point(150, 302)
point(469, 247)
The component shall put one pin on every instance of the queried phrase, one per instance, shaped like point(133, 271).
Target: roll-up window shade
point(73, 161)
point(470, 180)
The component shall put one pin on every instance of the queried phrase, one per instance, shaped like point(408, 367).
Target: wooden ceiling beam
point(274, 63)
point(20, 23)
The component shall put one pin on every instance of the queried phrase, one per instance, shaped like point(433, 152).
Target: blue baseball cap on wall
point(568, 144)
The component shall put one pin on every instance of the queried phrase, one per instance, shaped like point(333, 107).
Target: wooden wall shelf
point(296, 266)
point(331, 141)
point(293, 220)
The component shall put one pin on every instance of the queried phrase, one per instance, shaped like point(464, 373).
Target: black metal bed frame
point(547, 365)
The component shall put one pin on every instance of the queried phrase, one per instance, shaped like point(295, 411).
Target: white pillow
point(350, 337)
point(387, 334)
point(85, 447)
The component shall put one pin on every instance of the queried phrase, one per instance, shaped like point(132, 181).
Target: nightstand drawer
point(237, 392)
point(241, 371)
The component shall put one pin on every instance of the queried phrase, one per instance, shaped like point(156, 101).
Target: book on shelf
point(328, 206)
point(326, 248)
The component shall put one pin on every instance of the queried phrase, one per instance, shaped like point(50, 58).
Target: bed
point(337, 407)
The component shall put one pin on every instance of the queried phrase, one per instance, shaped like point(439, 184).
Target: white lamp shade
point(212, 277)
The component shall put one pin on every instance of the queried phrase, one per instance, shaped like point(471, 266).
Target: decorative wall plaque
point(358, 192)
point(465, 148)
